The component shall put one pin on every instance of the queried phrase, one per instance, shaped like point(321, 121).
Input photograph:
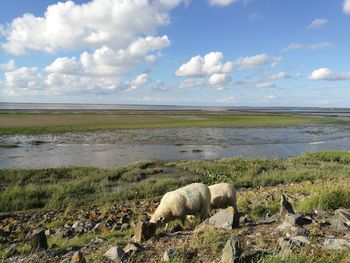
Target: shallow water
point(108, 149)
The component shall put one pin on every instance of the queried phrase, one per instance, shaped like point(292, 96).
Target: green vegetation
point(41, 123)
point(268, 172)
point(306, 257)
point(23, 189)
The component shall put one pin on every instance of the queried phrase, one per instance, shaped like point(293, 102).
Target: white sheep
point(223, 195)
point(192, 199)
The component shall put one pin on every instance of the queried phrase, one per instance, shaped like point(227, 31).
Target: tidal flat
point(56, 138)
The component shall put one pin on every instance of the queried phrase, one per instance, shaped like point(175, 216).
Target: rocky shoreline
point(319, 232)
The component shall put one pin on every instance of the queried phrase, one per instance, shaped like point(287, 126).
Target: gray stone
point(286, 206)
point(297, 220)
point(292, 231)
point(38, 240)
point(124, 226)
point(131, 248)
point(286, 243)
point(343, 215)
point(245, 220)
point(144, 231)
point(232, 252)
point(336, 244)
point(339, 224)
point(116, 254)
point(78, 257)
point(76, 225)
point(169, 254)
point(227, 218)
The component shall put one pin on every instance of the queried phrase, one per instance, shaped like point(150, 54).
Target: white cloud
point(105, 61)
point(292, 46)
point(139, 81)
point(277, 76)
point(9, 66)
point(321, 73)
point(199, 66)
point(327, 74)
point(314, 46)
point(346, 6)
point(264, 85)
point(221, 2)
point(191, 83)
point(256, 61)
point(320, 45)
point(270, 97)
point(219, 79)
point(317, 23)
point(65, 66)
point(70, 26)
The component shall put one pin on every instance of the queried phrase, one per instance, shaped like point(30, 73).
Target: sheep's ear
point(161, 219)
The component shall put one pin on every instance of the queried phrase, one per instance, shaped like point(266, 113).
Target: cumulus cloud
point(317, 23)
point(221, 2)
point(106, 61)
point(256, 61)
point(65, 65)
point(219, 79)
point(199, 66)
point(9, 66)
point(346, 7)
point(327, 74)
point(139, 81)
point(70, 26)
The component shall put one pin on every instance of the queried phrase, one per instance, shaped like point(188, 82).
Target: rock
point(246, 220)
point(339, 224)
point(297, 220)
point(336, 244)
point(169, 254)
point(286, 206)
point(38, 240)
point(144, 231)
point(124, 219)
point(78, 257)
point(131, 248)
point(343, 215)
point(292, 231)
point(65, 232)
point(124, 226)
point(232, 252)
point(116, 254)
point(226, 218)
point(76, 225)
point(286, 243)
point(176, 228)
point(49, 232)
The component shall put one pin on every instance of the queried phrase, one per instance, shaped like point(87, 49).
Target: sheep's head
point(157, 219)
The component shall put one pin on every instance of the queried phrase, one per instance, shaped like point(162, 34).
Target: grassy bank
point(23, 189)
point(41, 123)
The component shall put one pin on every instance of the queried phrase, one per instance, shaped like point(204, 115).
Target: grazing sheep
point(223, 195)
point(192, 199)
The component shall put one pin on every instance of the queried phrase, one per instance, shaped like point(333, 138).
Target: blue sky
point(186, 52)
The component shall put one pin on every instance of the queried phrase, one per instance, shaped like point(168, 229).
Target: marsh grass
point(23, 189)
point(41, 123)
